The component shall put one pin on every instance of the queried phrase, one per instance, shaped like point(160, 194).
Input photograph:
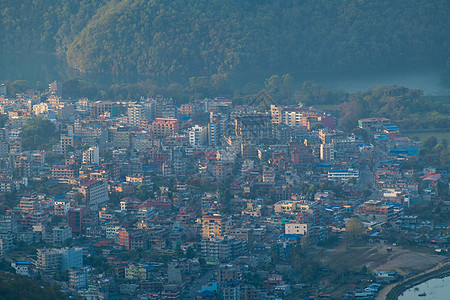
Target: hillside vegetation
point(184, 38)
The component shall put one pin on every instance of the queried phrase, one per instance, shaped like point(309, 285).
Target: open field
point(376, 258)
point(425, 135)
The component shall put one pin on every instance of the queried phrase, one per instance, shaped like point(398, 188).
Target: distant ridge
point(184, 38)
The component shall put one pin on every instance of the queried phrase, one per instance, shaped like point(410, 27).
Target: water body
point(45, 68)
point(432, 80)
point(435, 289)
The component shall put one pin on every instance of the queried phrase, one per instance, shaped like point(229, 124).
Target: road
point(196, 287)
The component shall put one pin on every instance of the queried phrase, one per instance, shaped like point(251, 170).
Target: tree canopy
point(39, 134)
point(179, 38)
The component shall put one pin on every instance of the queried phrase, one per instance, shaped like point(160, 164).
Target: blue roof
point(206, 294)
point(323, 165)
point(150, 168)
point(290, 236)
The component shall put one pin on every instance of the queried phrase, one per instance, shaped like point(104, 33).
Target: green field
point(425, 135)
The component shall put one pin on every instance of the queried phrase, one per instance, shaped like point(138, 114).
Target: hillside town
point(150, 199)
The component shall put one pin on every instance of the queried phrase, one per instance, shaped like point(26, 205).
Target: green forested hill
point(184, 38)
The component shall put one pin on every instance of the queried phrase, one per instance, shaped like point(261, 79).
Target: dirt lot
point(376, 258)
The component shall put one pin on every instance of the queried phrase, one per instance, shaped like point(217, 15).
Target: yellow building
point(212, 226)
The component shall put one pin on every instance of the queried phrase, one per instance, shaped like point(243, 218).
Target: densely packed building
point(154, 197)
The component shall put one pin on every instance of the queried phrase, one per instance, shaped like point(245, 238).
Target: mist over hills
point(216, 38)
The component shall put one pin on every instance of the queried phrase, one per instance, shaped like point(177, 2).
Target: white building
point(135, 113)
point(111, 231)
point(22, 267)
point(296, 228)
point(327, 152)
point(71, 258)
point(95, 193)
point(343, 174)
point(61, 233)
point(197, 136)
point(91, 156)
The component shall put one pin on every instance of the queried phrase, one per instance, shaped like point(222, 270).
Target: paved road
point(196, 286)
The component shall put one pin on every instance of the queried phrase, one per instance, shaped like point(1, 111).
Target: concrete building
point(222, 249)
point(296, 228)
point(61, 233)
point(78, 278)
point(48, 260)
point(119, 137)
point(91, 156)
point(71, 258)
point(163, 127)
point(343, 175)
point(197, 136)
point(95, 192)
point(253, 128)
point(135, 113)
point(212, 226)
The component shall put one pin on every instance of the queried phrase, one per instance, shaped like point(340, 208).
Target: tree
point(78, 197)
point(142, 192)
point(273, 83)
point(305, 243)
point(39, 134)
point(354, 229)
point(190, 252)
point(430, 142)
point(352, 180)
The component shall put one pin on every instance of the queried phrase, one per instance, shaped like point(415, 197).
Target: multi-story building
point(197, 136)
point(91, 156)
point(187, 109)
point(6, 243)
point(61, 233)
point(48, 260)
point(71, 258)
point(66, 143)
point(28, 204)
point(63, 172)
point(132, 239)
point(327, 152)
point(162, 127)
point(101, 108)
point(75, 219)
point(8, 224)
point(343, 174)
point(296, 228)
point(212, 226)
point(111, 231)
point(119, 137)
point(222, 249)
point(78, 278)
point(61, 207)
point(135, 113)
point(95, 192)
point(253, 128)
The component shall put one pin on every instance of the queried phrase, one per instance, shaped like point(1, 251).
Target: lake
point(45, 68)
point(435, 289)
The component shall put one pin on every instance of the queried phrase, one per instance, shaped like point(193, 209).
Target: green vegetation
point(214, 38)
point(354, 229)
point(18, 287)
point(407, 108)
point(39, 134)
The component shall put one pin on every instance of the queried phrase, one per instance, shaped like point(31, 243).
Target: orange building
point(162, 127)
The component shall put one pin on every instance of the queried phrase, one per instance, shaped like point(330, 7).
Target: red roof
point(431, 177)
point(90, 182)
point(211, 155)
